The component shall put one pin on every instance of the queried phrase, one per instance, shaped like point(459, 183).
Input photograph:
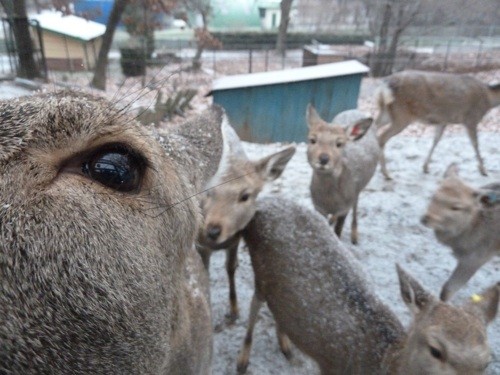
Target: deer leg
point(354, 224)
point(438, 133)
point(284, 343)
point(472, 132)
point(383, 136)
point(465, 269)
point(231, 265)
point(205, 254)
point(339, 224)
point(244, 356)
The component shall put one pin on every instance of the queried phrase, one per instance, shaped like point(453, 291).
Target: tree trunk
point(200, 45)
point(16, 12)
point(285, 6)
point(379, 58)
point(99, 79)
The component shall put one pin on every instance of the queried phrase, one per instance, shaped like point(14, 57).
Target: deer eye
point(312, 140)
point(436, 353)
point(340, 144)
point(244, 197)
point(456, 208)
point(116, 167)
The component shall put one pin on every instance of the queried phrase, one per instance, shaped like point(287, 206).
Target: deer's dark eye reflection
point(115, 168)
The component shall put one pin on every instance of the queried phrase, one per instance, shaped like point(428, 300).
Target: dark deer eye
point(116, 167)
point(312, 141)
point(340, 144)
point(436, 353)
point(244, 197)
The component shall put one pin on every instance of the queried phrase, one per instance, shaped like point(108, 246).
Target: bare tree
point(18, 19)
point(285, 7)
point(204, 38)
point(388, 20)
point(99, 79)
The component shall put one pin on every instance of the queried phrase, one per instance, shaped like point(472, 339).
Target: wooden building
point(271, 106)
point(70, 43)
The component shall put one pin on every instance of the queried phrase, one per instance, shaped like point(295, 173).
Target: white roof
point(290, 75)
point(72, 26)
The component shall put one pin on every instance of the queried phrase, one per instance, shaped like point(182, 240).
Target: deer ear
point(272, 166)
point(359, 129)
point(485, 305)
point(413, 294)
point(202, 140)
point(451, 171)
point(312, 116)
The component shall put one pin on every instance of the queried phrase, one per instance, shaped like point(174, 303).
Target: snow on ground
point(389, 232)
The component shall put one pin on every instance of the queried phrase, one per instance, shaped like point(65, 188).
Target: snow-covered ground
point(389, 232)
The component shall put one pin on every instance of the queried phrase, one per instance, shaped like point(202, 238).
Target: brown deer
point(320, 301)
point(467, 220)
point(229, 203)
point(343, 155)
point(99, 273)
point(433, 98)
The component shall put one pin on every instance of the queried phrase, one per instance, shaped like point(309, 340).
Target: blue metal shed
point(271, 106)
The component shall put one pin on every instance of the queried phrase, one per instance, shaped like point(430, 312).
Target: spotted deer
point(467, 220)
point(343, 155)
point(321, 301)
point(98, 269)
point(433, 98)
point(229, 203)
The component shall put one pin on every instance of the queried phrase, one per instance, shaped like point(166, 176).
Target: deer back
point(360, 156)
point(436, 98)
point(315, 289)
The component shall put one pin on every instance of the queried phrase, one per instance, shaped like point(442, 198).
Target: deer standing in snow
point(343, 155)
point(467, 220)
point(320, 300)
point(433, 98)
point(229, 203)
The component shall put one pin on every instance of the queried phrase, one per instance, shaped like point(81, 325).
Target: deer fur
point(95, 279)
point(343, 155)
point(436, 99)
point(229, 203)
point(467, 220)
point(320, 300)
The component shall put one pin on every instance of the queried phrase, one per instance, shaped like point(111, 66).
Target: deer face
point(327, 142)
point(325, 148)
point(446, 340)
point(230, 206)
point(452, 208)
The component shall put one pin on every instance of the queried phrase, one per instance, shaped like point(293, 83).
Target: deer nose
point(213, 231)
point(323, 159)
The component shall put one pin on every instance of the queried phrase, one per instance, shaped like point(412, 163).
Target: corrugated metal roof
point(290, 75)
point(72, 26)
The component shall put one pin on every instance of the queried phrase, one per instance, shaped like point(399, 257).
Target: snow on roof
point(290, 75)
point(72, 26)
